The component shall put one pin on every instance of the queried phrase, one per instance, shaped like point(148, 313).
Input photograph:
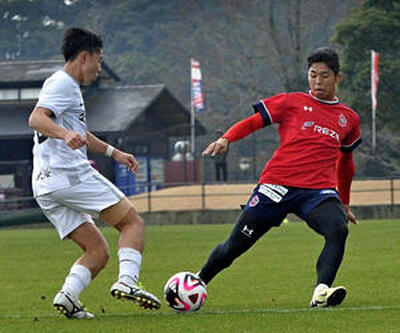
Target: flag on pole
point(374, 91)
point(374, 78)
point(197, 94)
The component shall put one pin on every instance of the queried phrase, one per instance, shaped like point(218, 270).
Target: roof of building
point(125, 110)
point(34, 72)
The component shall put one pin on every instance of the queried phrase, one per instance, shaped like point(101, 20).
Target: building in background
point(145, 120)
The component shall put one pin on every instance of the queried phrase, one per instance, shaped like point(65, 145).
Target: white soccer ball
point(185, 292)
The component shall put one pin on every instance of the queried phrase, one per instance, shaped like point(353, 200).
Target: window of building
point(8, 94)
point(30, 93)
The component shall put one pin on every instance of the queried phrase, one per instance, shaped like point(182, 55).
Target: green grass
point(266, 290)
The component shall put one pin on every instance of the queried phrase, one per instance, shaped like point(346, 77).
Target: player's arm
point(238, 131)
point(96, 145)
point(40, 120)
point(344, 176)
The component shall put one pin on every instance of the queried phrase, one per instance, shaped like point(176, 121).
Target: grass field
point(266, 290)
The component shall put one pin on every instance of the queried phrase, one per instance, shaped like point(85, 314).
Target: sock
point(77, 280)
point(130, 261)
point(318, 288)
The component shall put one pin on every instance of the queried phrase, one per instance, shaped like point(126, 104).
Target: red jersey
point(311, 134)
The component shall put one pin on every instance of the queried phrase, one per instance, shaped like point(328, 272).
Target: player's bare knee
point(131, 219)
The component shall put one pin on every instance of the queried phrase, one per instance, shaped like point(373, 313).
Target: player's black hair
point(76, 40)
point(326, 55)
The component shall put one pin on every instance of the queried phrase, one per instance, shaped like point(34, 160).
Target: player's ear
point(82, 56)
point(339, 77)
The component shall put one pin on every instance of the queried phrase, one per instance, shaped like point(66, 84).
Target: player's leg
point(80, 228)
point(128, 222)
point(329, 220)
point(247, 230)
point(93, 260)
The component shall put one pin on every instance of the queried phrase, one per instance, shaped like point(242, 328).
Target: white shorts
point(68, 208)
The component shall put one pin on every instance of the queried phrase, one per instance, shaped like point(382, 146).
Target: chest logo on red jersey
point(308, 108)
point(307, 124)
point(322, 130)
point(327, 131)
point(342, 120)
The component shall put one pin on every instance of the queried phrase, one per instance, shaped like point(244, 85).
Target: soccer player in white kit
point(70, 191)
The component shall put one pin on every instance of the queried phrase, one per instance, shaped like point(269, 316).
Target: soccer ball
point(185, 292)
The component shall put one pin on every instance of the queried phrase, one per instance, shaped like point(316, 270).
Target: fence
point(217, 196)
point(226, 196)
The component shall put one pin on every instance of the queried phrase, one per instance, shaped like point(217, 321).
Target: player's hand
point(350, 215)
point(217, 147)
point(127, 159)
point(74, 140)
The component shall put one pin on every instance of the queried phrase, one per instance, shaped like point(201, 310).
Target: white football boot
point(132, 292)
point(70, 308)
point(328, 297)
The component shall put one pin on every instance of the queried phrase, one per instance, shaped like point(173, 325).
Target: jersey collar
point(335, 101)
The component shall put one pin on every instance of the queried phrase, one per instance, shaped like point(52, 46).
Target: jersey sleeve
point(272, 108)
point(55, 96)
point(353, 139)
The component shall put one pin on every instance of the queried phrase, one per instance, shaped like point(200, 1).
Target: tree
point(375, 26)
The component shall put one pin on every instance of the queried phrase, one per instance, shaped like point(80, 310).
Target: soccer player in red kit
point(310, 174)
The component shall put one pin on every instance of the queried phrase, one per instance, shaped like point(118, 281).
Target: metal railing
point(228, 195)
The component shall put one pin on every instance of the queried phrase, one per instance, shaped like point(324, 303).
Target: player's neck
point(330, 100)
point(74, 70)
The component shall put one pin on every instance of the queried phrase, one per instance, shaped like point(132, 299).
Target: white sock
point(130, 261)
point(77, 280)
point(318, 288)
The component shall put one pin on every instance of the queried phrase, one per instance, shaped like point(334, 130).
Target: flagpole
point(192, 119)
point(373, 114)
point(373, 130)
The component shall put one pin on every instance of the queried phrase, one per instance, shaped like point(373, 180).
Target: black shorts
point(273, 202)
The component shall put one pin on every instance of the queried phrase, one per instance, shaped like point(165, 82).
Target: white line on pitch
point(222, 312)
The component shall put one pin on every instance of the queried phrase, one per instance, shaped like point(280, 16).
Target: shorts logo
point(43, 174)
point(254, 201)
point(342, 120)
point(82, 117)
point(328, 192)
point(308, 108)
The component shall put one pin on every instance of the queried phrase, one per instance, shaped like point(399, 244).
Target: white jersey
point(55, 165)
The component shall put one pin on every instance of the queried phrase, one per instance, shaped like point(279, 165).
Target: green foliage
point(265, 290)
point(376, 26)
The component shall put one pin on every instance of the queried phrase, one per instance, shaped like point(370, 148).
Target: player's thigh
point(328, 218)
point(64, 218)
point(122, 212)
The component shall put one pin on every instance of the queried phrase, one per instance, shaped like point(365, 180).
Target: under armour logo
point(248, 232)
point(308, 108)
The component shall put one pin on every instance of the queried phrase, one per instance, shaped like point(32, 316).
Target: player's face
point(322, 81)
point(92, 66)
